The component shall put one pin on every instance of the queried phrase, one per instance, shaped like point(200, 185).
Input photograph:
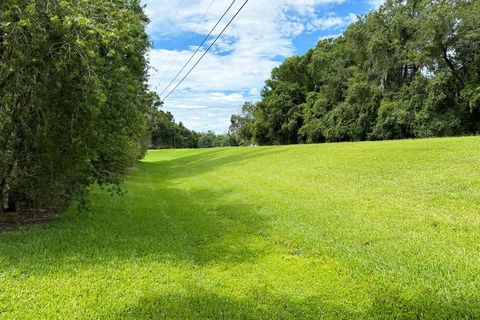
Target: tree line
point(167, 134)
point(410, 69)
point(74, 101)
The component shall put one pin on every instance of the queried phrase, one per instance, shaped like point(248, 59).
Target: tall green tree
point(409, 69)
point(73, 98)
point(241, 125)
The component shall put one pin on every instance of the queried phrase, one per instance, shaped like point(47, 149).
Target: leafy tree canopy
point(410, 69)
point(73, 98)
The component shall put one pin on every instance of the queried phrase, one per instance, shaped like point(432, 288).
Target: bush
point(73, 98)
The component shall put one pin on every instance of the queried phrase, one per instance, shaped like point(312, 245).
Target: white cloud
point(330, 36)
point(376, 3)
point(235, 69)
point(331, 21)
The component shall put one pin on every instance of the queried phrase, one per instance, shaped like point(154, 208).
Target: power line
point(169, 30)
point(199, 47)
point(162, 77)
point(208, 9)
point(203, 55)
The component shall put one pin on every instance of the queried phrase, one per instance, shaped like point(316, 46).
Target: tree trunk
point(450, 64)
point(5, 201)
point(2, 49)
point(11, 204)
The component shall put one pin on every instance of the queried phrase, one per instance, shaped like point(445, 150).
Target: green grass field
point(377, 230)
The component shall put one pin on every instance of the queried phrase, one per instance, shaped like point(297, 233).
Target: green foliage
point(241, 128)
point(167, 134)
point(280, 113)
point(421, 109)
point(73, 98)
point(211, 140)
point(336, 231)
point(410, 69)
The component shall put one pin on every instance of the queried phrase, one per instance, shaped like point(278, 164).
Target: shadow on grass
point(161, 222)
point(173, 225)
point(261, 305)
point(154, 221)
point(202, 161)
point(388, 302)
point(208, 305)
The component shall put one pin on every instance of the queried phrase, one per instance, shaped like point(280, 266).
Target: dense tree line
point(410, 69)
point(73, 98)
point(210, 139)
point(167, 134)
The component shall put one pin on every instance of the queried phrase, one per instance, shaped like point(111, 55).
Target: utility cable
point(199, 47)
point(164, 74)
point(203, 55)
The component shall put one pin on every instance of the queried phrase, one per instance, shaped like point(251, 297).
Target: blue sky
point(234, 71)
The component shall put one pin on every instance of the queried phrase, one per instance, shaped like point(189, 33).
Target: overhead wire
point(164, 74)
point(206, 51)
point(168, 32)
point(199, 47)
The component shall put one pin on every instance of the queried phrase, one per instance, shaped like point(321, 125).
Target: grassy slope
point(374, 230)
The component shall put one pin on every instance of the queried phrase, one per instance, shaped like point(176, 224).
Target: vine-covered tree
point(73, 98)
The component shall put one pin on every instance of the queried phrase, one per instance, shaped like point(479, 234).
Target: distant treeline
point(167, 134)
point(410, 69)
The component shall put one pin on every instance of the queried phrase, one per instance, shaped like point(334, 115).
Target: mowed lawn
point(381, 230)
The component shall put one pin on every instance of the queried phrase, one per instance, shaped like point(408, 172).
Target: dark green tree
point(407, 70)
point(73, 98)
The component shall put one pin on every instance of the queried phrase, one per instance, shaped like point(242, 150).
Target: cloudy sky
point(234, 70)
